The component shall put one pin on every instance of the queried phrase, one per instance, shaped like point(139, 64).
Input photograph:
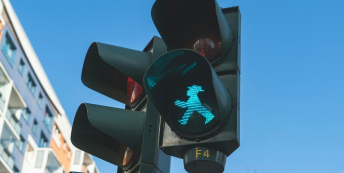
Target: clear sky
point(292, 80)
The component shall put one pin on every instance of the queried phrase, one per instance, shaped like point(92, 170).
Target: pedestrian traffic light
point(188, 94)
point(195, 86)
point(192, 79)
point(120, 136)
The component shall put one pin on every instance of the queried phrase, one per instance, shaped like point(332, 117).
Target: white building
point(34, 129)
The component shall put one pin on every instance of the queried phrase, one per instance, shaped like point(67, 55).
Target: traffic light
point(192, 79)
point(124, 137)
point(195, 86)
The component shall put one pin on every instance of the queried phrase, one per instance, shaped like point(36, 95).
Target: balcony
point(6, 156)
point(4, 87)
point(6, 160)
point(47, 162)
point(83, 162)
point(13, 110)
point(89, 165)
point(9, 94)
point(53, 165)
point(13, 120)
point(40, 160)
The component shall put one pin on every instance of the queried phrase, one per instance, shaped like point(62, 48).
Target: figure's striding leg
point(186, 116)
point(207, 114)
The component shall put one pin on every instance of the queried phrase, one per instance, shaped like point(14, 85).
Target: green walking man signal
point(193, 104)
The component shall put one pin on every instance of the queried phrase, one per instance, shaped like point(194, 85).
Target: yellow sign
point(206, 153)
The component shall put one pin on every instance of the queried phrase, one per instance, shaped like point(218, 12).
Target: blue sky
point(292, 80)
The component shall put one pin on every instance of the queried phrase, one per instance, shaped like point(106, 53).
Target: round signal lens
point(208, 47)
point(128, 157)
point(134, 91)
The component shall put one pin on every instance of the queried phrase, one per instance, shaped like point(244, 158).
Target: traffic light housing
point(120, 136)
point(192, 79)
point(204, 27)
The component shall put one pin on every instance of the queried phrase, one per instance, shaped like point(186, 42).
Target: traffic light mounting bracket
point(152, 159)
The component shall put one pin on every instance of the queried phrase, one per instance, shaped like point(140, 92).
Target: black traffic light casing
point(209, 38)
point(124, 137)
point(174, 21)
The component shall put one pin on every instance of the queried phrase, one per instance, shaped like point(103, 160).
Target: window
point(64, 145)
point(48, 118)
point(9, 49)
point(15, 169)
point(53, 164)
point(77, 157)
point(39, 101)
point(20, 143)
point(43, 141)
point(21, 66)
point(39, 159)
point(34, 126)
point(31, 84)
point(56, 136)
point(26, 113)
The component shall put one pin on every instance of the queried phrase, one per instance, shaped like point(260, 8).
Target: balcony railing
point(47, 170)
point(6, 156)
point(2, 103)
point(84, 169)
point(13, 122)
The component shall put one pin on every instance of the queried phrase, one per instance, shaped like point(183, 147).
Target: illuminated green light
point(154, 79)
point(190, 67)
point(193, 104)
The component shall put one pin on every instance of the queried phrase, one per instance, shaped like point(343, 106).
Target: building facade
point(34, 129)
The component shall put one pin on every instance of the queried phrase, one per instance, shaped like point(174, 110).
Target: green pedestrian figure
point(193, 104)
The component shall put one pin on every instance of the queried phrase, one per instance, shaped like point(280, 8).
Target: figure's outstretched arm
point(181, 104)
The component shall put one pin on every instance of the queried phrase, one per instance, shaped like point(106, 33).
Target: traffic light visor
point(187, 93)
point(114, 135)
point(193, 24)
point(115, 71)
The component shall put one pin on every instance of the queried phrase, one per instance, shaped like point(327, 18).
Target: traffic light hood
point(193, 24)
point(188, 94)
point(104, 132)
point(106, 69)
